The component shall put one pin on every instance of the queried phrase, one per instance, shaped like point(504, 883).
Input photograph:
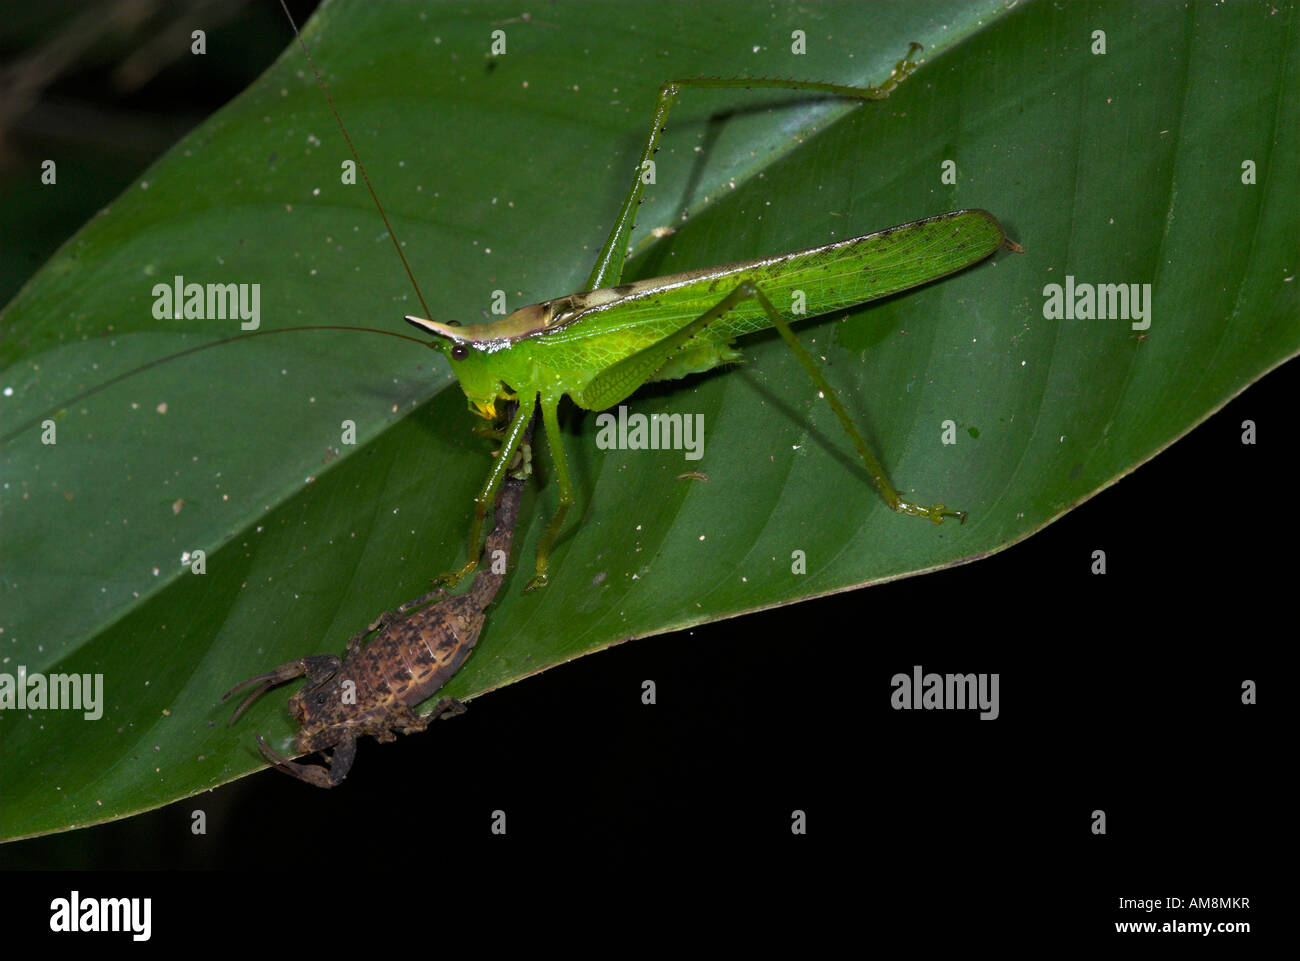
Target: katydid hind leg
point(621, 379)
point(888, 492)
point(608, 269)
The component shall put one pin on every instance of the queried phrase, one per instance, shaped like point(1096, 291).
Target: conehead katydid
point(687, 323)
point(599, 345)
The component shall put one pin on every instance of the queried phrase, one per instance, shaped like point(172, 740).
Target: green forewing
point(800, 284)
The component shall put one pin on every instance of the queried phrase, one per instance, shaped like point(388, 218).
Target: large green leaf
point(505, 173)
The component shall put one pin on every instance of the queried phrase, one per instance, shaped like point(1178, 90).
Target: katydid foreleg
point(514, 435)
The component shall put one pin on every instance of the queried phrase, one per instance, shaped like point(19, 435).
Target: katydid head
point(470, 362)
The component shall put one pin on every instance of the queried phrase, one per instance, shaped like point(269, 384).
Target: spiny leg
point(519, 427)
point(608, 269)
point(887, 490)
point(553, 437)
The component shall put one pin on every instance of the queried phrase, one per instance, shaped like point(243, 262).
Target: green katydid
point(601, 344)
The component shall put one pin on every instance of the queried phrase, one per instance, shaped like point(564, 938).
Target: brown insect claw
point(248, 700)
point(311, 773)
point(279, 675)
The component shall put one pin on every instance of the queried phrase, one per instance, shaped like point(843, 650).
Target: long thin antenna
point(90, 391)
point(356, 156)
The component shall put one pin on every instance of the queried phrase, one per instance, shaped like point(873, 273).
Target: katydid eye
point(459, 352)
